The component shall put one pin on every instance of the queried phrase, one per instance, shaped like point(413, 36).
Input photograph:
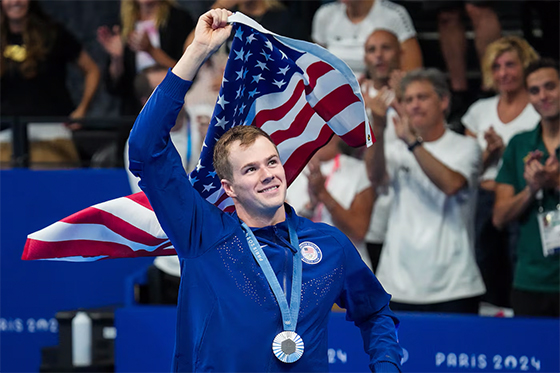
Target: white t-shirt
point(428, 255)
point(484, 113)
point(333, 29)
point(345, 182)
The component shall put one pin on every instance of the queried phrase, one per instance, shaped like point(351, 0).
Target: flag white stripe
point(350, 114)
point(284, 123)
point(135, 214)
point(60, 231)
point(326, 84)
point(225, 203)
point(311, 132)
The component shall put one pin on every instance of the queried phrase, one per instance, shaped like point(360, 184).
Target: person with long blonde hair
point(151, 32)
point(493, 122)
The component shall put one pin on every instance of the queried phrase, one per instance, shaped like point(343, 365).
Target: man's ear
point(228, 188)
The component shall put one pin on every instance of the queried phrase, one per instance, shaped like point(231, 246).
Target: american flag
point(297, 92)
point(289, 88)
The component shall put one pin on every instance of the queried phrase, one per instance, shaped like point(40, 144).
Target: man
point(382, 60)
point(427, 261)
point(229, 320)
point(528, 190)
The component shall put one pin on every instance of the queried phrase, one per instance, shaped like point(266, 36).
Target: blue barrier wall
point(32, 292)
point(432, 343)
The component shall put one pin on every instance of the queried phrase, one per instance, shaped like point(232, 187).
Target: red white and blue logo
point(310, 253)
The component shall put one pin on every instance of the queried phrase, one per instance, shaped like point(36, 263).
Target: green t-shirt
point(533, 271)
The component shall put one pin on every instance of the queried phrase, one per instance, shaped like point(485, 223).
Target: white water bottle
point(81, 340)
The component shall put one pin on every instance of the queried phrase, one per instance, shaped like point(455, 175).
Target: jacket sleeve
point(367, 305)
point(180, 209)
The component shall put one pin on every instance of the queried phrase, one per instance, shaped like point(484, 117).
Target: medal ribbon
point(289, 313)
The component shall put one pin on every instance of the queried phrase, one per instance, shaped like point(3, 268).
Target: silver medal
point(287, 347)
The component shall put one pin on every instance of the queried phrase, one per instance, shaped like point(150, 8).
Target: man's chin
point(552, 117)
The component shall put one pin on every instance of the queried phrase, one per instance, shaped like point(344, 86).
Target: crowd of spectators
point(445, 219)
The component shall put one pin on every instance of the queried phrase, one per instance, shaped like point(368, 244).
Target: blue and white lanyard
point(289, 313)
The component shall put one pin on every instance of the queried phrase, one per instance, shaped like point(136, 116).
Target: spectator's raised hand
point(395, 82)
point(534, 172)
point(402, 125)
point(378, 104)
point(110, 40)
point(139, 41)
point(316, 181)
point(495, 145)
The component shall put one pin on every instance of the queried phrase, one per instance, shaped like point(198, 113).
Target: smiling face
point(258, 185)
point(544, 92)
point(507, 72)
point(382, 55)
point(15, 10)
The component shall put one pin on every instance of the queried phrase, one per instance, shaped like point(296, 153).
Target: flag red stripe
point(92, 215)
point(336, 101)
point(279, 112)
point(303, 154)
point(296, 127)
point(315, 71)
point(141, 199)
point(86, 248)
point(222, 198)
point(356, 137)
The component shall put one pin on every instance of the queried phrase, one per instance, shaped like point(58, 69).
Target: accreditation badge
point(287, 347)
point(549, 227)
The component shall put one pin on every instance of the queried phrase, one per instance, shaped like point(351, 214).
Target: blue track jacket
point(227, 315)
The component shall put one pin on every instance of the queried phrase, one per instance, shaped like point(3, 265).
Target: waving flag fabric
point(296, 91)
point(290, 89)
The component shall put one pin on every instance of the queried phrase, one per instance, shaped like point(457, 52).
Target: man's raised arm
point(154, 158)
point(150, 134)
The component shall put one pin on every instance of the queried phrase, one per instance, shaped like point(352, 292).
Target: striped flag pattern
point(119, 228)
point(296, 91)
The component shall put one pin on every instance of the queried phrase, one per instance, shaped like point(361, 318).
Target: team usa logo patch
point(310, 253)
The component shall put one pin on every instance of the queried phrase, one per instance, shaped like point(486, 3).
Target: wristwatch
point(418, 141)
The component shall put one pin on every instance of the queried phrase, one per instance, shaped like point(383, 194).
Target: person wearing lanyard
point(239, 270)
point(528, 190)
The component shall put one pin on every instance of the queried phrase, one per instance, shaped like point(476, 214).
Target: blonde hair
point(130, 13)
point(525, 52)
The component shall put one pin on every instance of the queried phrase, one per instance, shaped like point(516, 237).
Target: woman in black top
point(152, 32)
